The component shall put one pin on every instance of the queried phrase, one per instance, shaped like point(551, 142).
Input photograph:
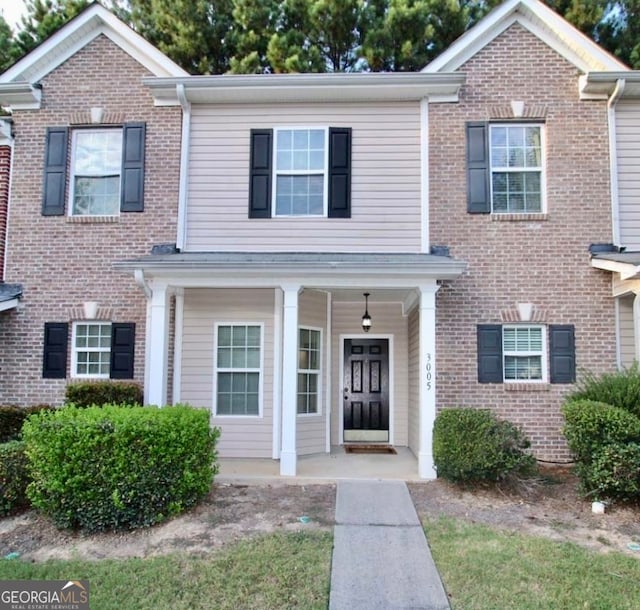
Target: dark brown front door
point(366, 390)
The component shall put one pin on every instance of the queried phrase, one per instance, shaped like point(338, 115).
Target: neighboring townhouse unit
point(95, 174)
point(321, 259)
point(622, 256)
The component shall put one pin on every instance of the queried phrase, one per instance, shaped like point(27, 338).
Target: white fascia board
point(600, 85)
point(81, 30)
point(541, 21)
point(20, 96)
point(10, 304)
point(626, 270)
point(281, 88)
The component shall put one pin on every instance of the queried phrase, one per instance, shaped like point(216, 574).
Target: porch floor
point(325, 467)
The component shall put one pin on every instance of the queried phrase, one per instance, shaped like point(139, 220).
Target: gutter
point(613, 159)
point(184, 166)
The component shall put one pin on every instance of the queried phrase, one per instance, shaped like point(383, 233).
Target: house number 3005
point(428, 367)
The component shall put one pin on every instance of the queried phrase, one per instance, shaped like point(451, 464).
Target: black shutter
point(478, 169)
point(123, 343)
point(260, 170)
point(339, 172)
point(132, 190)
point(54, 359)
point(490, 353)
point(562, 349)
point(55, 171)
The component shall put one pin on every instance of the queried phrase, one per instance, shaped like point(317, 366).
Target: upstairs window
point(516, 169)
point(300, 170)
point(95, 172)
point(523, 351)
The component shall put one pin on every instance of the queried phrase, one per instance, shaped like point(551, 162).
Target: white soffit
point(540, 20)
point(76, 34)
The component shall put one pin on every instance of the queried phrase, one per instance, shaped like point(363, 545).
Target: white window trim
point(260, 371)
point(299, 172)
point(317, 371)
point(542, 170)
point(544, 354)
point(74, 350)
point(72, 163)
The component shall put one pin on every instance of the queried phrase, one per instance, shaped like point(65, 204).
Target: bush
point(472, 445)
point(12, 418)
point(620, 389)
point(117, 467)
point(614, 472)
point(89, 393)
point(13, 478)
point(591, 425)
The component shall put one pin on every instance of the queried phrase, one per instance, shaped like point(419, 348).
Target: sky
point(12, 10)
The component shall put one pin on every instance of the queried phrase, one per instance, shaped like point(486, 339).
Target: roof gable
point(76, 34)
point(541, 21)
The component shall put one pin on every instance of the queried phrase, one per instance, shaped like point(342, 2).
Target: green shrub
point(590, 425)
point(117, 467)
point(613, 472)
point(13, 478)
point(473, 445)
point(620, 389)
point(89, 393)
point(12, 418)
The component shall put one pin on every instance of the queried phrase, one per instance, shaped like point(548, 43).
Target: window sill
point(85, 220)
point(527, 387)
point(518, 217)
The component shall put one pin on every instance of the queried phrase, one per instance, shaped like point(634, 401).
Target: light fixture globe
point(366, 318)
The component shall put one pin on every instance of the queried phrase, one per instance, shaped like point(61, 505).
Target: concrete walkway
point(381, 559)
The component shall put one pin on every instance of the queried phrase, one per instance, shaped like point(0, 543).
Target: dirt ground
point(548, 507)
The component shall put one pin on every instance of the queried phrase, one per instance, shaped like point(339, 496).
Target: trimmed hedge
point(614, 472)
point(118, 467)
point(89, 393)
point(620, 389)
point(590, 425)
point(472, 445)
point(12, 418)
point(14, 478)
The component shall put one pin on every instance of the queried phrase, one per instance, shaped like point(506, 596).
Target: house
point(621, 257)
point(318, 259)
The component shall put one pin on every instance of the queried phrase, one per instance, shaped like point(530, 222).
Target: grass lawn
point(486, 569)
point(271, 572)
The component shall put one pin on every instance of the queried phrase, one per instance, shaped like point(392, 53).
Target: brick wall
point(62, 263)
point(545, 261)
point(5, 174)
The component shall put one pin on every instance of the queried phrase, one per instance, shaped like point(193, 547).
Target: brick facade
point(62, 263)
point(5, 173)
point(541, 260)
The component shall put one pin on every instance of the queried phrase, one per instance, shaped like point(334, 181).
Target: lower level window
point(308, 370)
point(91, 349)
point(523, 351)
point(238, 369)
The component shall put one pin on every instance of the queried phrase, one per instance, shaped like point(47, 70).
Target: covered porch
point(375, 386)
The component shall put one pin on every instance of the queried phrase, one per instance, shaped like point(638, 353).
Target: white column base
point(426, 468)
point(288, 460)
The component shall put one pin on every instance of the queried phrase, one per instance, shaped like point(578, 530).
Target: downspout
point(184, 166)
point(613, 159)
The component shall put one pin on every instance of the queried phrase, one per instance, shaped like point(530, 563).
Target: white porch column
point(427, 379)
point(636, 324)
point(289, 379)
point(158, 342)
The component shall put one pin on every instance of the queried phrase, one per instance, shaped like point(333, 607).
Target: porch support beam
point(158, 342)
point(288, 454)
point(427, 379)
point(636, 323)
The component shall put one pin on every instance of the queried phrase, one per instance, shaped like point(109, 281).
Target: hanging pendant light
point(366, 319)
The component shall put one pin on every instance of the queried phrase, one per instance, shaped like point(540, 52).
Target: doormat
point(369, 449)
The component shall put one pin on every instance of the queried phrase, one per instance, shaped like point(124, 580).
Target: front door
point(366, 390)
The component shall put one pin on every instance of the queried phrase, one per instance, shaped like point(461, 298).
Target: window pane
point(98, 152)
point(285, 140)
point(96, 196)
point(316, 159)
point(300, 139)
point(300, 159)
point(316, 139)
point(224, 358)
point(253, 381)
point(224, 382)
point(253, 358)
point(283, 160)
point(239, 336)
point(224, 335)
point(253, 336)
point(239, 358)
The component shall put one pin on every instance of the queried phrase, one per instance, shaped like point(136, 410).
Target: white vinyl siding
point(250, 437)
point(385, 180)
point(628, 150)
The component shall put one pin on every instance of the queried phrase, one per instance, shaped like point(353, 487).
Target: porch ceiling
point(343, 271)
